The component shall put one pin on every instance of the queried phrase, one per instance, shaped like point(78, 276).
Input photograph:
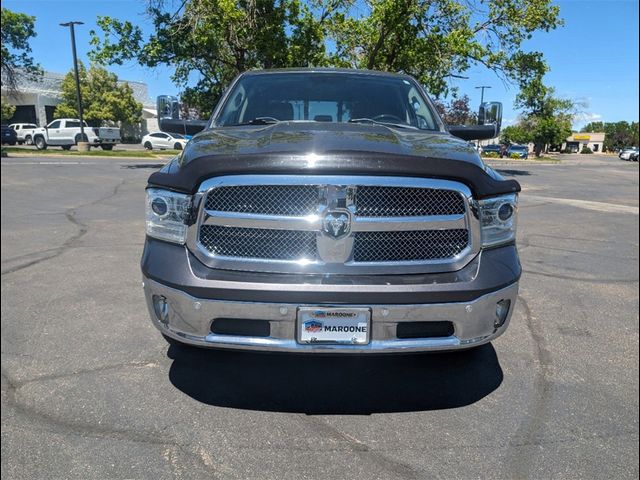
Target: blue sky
point(593, 58)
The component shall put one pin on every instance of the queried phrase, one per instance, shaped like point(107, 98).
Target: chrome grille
point(278, 223)
point(409, 246)
point(289, 200)
point(381, 201)
point(258, 243)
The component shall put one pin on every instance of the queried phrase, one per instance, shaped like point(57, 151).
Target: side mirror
point(169, 120)
point(167, 106)
point(490, 113)
point(489, 123)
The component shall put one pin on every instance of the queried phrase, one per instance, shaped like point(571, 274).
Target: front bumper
point(195, 295)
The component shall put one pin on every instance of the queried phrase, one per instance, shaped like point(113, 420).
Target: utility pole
point(75, 68)
point(482, 87)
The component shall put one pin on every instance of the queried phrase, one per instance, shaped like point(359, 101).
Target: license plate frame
point(355, 323)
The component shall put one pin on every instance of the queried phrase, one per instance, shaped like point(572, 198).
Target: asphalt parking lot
point(91, 390)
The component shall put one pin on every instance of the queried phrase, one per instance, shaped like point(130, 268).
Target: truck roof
point(351, 71)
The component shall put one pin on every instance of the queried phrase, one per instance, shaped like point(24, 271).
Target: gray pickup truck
point(328, 210)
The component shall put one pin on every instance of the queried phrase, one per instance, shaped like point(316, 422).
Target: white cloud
point(583, 118)
point(589, 117)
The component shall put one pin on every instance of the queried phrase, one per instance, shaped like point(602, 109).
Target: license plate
point(334, 325)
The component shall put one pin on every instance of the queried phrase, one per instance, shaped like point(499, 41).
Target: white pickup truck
point(65, 132)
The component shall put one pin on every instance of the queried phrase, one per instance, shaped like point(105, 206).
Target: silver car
point(628, 153)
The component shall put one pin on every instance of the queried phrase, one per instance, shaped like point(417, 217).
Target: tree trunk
point(537, 149)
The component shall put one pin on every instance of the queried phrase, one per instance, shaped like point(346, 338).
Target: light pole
point(482, 87)
point(75, 68)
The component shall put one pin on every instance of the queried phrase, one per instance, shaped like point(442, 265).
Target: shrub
point(586, 150)
point(491, 155)
point(515, 155)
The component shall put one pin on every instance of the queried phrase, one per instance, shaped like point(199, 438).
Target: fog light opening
point(161, 308)
point(502, 310)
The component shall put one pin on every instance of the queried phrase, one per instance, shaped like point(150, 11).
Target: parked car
point(108, 136)
point(625, 153)
point(326, 229)
point(164, 141)
point(63, 132)
point(522, 151)
point(9, 135)
point(24, 132)
point(493, 148)
point(634, 156)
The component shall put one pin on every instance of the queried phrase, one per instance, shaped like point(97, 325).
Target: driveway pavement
point(91, 390)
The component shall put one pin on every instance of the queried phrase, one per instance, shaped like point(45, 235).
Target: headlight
point(498, 218)
point(167, 213)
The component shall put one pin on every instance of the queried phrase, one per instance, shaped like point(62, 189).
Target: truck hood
point(303, 138)
point(315, 148)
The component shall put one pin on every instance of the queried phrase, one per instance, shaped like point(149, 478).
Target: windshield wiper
point(377, 122)
point(258, 121)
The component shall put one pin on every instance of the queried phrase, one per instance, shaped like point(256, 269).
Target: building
point(36, 102)
point(578, 141)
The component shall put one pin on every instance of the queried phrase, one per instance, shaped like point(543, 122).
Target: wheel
point(107, 147)
point(28, 140)
point(81, 138)
point(66, 147)
point(177, 146)
point(148, 145)
point(40, 143)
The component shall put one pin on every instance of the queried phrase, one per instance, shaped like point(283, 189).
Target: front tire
point(148, 146)
point(66, 147)
point(40, 143)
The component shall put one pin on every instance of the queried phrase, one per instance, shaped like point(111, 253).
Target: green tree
point(15, 52)
point(434, 40)
point(103, 98)
point(209, 42)
point(7, 110)
point(214, 40)
point(593, 127)
point(516, 134)
point(545, 116)
point(548, 131)
point(617, 134)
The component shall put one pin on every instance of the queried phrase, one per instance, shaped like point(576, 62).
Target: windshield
point(327, 97)
point(177, 136)
point(519, 147)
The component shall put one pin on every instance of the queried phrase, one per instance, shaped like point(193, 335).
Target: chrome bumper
point(188, 320)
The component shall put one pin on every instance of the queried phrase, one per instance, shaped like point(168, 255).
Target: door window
point(55, 124)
